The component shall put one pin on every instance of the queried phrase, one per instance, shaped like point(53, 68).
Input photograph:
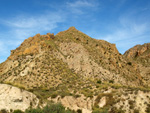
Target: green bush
point(18, 111)
point(99, 81)
point(129, 63)
point(136, 111)
point(50, 108)
point(115, 110)
point(38, 110)
point(131, 103)
point(96, 110)
point(104, 110)
point(79, 111)
point(148, 108)
point(3, 111)
point(58, 108)
point(111, 81)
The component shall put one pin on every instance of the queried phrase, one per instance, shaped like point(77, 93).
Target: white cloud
point(79, 5)
point(128, 34)
point(22, 27)
point(133, 25)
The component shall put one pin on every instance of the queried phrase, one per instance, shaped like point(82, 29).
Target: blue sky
point(123, 22)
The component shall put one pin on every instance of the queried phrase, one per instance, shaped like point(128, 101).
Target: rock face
point(137, 50)
point(15, 98)
point(140, 53)
point(82, 103)
point(121, 100)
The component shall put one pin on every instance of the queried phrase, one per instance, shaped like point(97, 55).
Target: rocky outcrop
point(116, 100)
point(12, 98)
point(81, 103)
point(141, 55)
point(131, 101)
point(31, 46)
point(137, 51)
point(79, 60)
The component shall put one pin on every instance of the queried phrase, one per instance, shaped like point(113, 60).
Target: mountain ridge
point(71, 63)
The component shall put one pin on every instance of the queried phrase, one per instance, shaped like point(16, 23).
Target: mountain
point(141, 55)
point(78, 71)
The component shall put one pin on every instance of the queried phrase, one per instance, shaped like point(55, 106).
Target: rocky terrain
point(80, 72)
point(141, 55)
point(12, 98)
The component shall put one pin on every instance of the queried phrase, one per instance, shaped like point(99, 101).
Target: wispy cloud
point(128, 34)
point(22, 27)
point(79, 5)
point(122, 33)
point(117, 21)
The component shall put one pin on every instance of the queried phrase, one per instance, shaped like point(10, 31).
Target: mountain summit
point(70, 63)
point(72, 50)
point(141, 53)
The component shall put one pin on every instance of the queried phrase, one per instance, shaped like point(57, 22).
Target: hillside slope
point(71, 63)
point(48, 59)
point(141, 55)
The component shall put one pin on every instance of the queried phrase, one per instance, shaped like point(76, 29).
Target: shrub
point(129, 63)
point(131, 103)
point(3, 111)
point(79, 111)
point(148, 108)
point(136, 111)
point(104, 111)
point(111, 81)
point(116, 110)
point(18, 111)
point(58, 108)
point(54, 95)
point(99, 81)
point(37, 110)
point(96, 111)
point(50, 108)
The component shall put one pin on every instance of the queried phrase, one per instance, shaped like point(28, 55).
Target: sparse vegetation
point(50, 108)
point(73, 64)
point(99, 81)
point(3, 111)
point(129, 63)
point(18, 111)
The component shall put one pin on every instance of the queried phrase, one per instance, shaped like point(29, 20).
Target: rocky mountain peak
point(32, 45)
point(137, 50)
point(77, 67)
point(72, 28)
point(139, 53)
